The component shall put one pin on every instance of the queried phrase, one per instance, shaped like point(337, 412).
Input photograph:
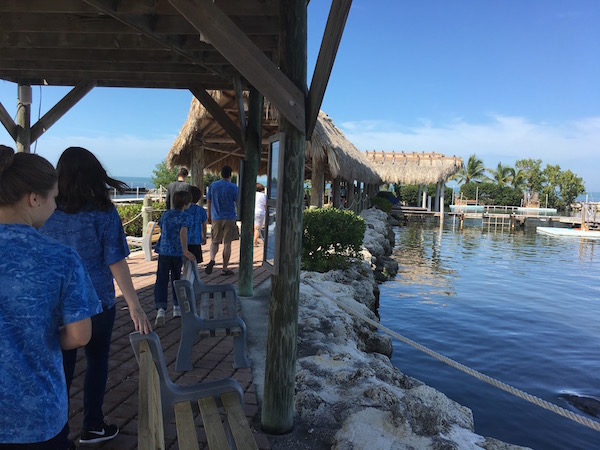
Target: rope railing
point(480, 376)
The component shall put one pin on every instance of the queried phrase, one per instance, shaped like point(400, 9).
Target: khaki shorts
point(224, 231)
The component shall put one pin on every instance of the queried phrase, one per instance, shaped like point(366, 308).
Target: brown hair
point(22, 174)
point(181, 198)
point(260, 187)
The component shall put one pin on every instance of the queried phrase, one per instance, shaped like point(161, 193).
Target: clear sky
point(504, 80)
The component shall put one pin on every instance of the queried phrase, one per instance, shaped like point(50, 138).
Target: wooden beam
point(61, 108)
point(9, 124)
point(329, 46)
point(239, 96)
point(219, 114)
point(226, 37)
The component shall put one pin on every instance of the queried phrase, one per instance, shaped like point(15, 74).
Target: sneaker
point(102, 433)
point(209, 267)
point(176, 311)
point(160, 318)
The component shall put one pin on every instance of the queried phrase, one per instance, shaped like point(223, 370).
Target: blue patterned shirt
point(99, 239)
point(223, 197)
point(43, 285)
point(195, 231)
point(171, 222)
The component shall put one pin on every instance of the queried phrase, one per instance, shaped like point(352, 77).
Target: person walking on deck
point(221, 211)
point(171, 247)
point(180, 184)
point(46, 301)
point(87, 220)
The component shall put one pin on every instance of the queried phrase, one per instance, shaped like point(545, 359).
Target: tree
point(473, 171)
point(502, 175)
point(570, 187)
point(532, 172)
point(162, 175)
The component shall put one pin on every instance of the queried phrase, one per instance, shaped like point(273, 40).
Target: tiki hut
point(414, 168)
point(203, 144)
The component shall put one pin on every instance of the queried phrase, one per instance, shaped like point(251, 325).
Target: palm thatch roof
point(344, 159)
point(414, 168)
point(328, 144)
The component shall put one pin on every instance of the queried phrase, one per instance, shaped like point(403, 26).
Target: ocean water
point(519, 307)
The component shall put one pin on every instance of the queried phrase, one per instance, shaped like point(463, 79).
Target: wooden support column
point(350, 195)
point(419, 195)
point(197, 167)
point(436, 204)
point(253, 146)
point(280, 370)
point(424, 204)
point(335, 192)
point(317, 183)
point(442, 187)
point(24, 121)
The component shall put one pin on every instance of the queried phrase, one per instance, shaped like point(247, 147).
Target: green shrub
point(133, 227)
point(331, 239)
point(382, 203)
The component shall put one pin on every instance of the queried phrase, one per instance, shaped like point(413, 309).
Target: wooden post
point(252, 150)
point(436, 204)
point(146, 212)
point(335, 192)
point(317, 183)
point(442, 187)
point(197, 167)
point(350, 195)
point(280, 370)
point(24, 121)
point(424, 204)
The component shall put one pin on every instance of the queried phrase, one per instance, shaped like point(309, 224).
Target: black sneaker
point(209, 267)
point(102, 433)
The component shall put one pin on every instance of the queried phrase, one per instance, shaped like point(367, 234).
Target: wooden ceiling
point(175, 44)
point(124, 43)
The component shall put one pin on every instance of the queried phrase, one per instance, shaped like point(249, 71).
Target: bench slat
point(215, 434)
point(187, 438)
point(238, 423)
point(204, 311)
point(231, 306)
point(218, 305)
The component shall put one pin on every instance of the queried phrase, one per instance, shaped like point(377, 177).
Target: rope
point(127, 223)
point(499, 384)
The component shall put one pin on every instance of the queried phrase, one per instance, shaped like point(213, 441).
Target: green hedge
point(128, 212)
point(382, 203)
point(331, 239)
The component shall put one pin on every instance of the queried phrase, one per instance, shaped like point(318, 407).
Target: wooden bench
point(207, 310)
point(148, 239)
point(160, 399)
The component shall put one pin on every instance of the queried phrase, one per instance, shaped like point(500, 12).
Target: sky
point(502, 80)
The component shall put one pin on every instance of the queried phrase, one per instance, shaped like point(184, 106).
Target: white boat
point(569, 232)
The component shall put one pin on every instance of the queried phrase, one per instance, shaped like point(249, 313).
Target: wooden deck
point(215, 357)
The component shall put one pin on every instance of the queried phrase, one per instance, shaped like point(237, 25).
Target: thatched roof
point(201, 130)
point(344, 159)
point(414, 168)
point(327, 146)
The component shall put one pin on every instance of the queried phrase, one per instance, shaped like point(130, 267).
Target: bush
point(128, 212)
point(389, 196)
point(331, 239)
point(382, 203)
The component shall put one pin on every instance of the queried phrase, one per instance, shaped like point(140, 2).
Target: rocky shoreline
point(348, 394)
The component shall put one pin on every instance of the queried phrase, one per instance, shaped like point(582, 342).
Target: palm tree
point(473, 171)
point(519, 180)
point(503, 175)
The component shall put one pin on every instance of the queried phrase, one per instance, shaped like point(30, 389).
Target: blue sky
point(504, 80)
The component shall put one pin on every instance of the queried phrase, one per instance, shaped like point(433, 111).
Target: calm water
point(522, 308)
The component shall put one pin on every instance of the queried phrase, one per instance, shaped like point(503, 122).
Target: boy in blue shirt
point(171, 247)
point(197, 233)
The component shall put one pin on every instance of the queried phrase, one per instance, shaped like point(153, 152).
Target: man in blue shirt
point(221, 202)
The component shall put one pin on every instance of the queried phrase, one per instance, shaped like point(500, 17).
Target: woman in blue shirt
point(87, 221)
point(46, 300)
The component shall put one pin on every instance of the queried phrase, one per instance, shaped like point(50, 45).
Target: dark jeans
point(96, 373)
point(58, 442)
point(167, 265)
